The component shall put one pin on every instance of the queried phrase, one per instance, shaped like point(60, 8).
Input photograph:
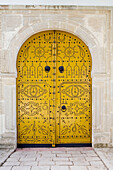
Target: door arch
point(54, 90)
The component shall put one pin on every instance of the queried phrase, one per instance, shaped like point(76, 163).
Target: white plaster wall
point(92, 25)
point(59, 2)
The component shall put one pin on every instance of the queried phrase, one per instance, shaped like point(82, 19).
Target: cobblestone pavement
point(59, 159)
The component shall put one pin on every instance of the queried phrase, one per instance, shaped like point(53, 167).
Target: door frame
point(58, 24)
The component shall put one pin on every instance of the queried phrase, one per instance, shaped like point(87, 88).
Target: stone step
point(6, 146)
point(7, 140)
point(8, 135)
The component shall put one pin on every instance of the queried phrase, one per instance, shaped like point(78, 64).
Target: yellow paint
point(41, 94)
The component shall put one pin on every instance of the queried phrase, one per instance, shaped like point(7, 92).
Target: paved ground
point(4, 153)
point(58, 159)
point(106, 154)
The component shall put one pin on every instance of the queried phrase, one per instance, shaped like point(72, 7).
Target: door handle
point(63, 108)
point(47, 69)
point(61, 69)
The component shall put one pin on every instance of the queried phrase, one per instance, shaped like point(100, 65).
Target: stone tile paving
point(106, 154)
point(59, 159)
point(4, 154)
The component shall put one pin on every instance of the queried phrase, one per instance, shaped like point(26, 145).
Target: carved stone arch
point(68, 26)
point(58, 24)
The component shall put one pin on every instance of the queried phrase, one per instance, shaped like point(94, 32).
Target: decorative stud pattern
point(41, 93)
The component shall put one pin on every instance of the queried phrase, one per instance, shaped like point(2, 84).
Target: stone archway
point(48, 24)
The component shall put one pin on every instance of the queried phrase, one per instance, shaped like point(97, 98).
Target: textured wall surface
point(58, 2)
point(93, 25)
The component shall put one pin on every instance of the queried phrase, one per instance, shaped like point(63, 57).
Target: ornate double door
point(54, 91)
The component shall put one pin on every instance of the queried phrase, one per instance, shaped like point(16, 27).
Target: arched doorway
point(54, 91)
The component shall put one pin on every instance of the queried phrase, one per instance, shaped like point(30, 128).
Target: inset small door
point(54, 91)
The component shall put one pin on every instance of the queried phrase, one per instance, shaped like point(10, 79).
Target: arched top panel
point(75, 49)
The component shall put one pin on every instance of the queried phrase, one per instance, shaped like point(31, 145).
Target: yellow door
point(54, 90)
point(73, 90)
